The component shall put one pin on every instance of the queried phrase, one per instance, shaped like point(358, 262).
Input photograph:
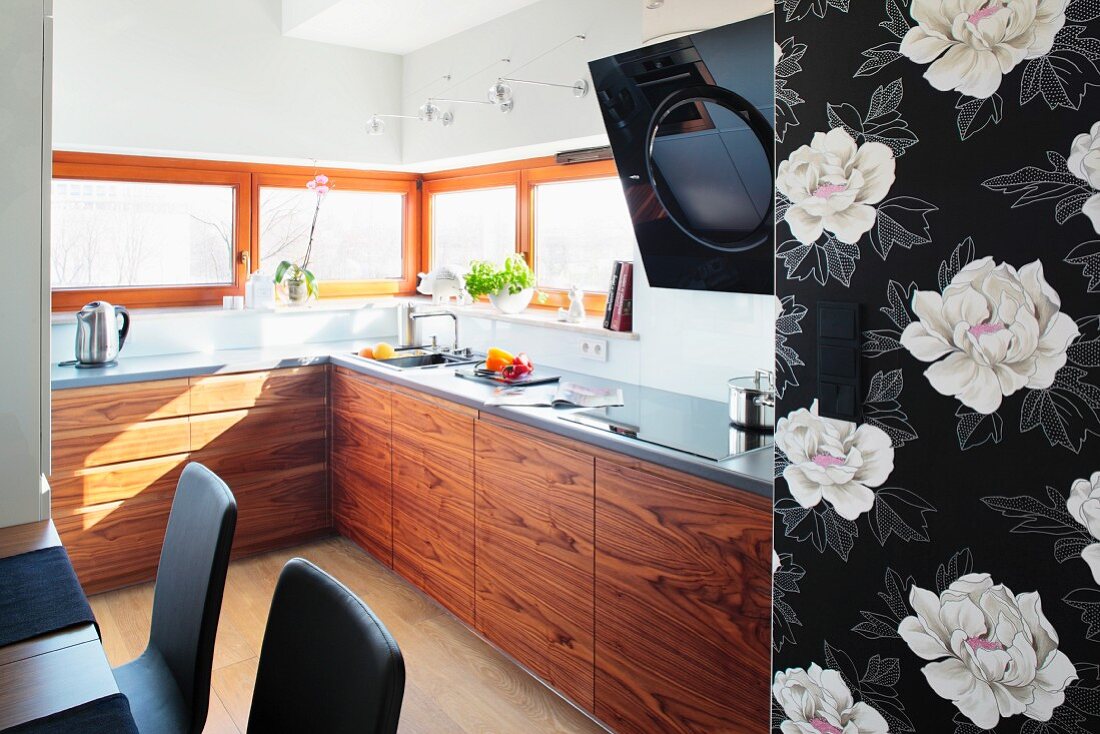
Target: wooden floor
point(456, 682)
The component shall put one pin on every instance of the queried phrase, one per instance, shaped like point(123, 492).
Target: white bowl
point(506, 302)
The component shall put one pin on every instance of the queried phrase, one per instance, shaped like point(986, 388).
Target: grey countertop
point(752, 471)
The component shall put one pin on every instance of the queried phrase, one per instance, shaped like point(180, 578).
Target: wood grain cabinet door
point(535, 556)
point(361, 463)
point(683, 600)
point(433, 500)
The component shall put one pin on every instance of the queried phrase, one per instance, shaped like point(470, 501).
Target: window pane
point(359, 234)
point(581, 229)
point(120, 233)
point(473, 225)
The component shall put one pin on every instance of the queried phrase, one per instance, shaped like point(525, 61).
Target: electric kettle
point(98, 334)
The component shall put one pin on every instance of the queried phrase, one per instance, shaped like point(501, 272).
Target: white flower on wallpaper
point(994, 654)
point(1084, 505)
point(1084, 163)
point(834, 461)
point(972, 44)
point(816, 701)
point(833, 185)
point(1001, 330)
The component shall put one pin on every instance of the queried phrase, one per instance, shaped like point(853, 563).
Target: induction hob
point(684, 423)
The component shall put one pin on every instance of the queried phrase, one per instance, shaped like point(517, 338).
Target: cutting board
point(535, 378)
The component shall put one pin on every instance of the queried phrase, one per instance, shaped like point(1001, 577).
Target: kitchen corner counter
point(752, 471)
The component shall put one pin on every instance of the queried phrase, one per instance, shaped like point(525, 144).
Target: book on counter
point(622, 312)
point(618, 315)
point(568, 395)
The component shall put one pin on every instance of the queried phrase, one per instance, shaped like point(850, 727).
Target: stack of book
point(618, 316)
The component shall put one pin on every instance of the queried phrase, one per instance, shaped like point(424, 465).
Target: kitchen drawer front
point(216, 393)
point(116, 544)
point(433, 526)
point(535, 555)
point(115, 482)
point(254, 427)
point(362, 489)
point(88, 447)
point(119, 405)
point(445, 429)
point(361, 397)
point(278, 508)
point(683, 605)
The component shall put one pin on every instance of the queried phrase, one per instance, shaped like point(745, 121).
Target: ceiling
point(391, 26)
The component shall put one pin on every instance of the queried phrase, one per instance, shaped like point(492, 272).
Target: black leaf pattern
point(975, 429)
point(899, 512)
point(787, 324)
point(1085, 349)
point(964, 725)
point(1068, 548)
point(1062, 77)
point(822, 527)
point(883, 123)
point(1087, 601)
point(1048, 517)
point(876, 687)
point(1087, 255)
point(1065, 411)
point(1032, 184)
point(877, 625)
point(878, 342)
point(878, 58)
point(786, 99)
point(961, 256)
point(826, 259)
point(977, 114)
point(956, 567)
point(899, 299)
point(784, 618)
point(1082, 11)
point(882, 409)
point(799, 9)
point(902, 222)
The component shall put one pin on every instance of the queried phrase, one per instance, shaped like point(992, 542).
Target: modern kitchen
point(572, 366)
point(468, 309)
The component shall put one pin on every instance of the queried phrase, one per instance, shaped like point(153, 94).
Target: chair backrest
point(190, 582)
point(327, 663)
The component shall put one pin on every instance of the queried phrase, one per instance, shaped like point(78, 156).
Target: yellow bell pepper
point(498, 359)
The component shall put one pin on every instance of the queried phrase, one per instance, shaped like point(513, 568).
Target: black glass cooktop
point(680, 422)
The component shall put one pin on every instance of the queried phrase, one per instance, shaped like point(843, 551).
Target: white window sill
point(544, 318)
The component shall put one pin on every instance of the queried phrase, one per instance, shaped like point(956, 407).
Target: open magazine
point(568, 395)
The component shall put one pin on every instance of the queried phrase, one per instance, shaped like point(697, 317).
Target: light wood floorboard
point(456, 682)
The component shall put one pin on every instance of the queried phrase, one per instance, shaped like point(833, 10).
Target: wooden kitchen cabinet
point(361, 463)
point(682, 603)
point(535, 553)
point(118, 452)
point(433, 499)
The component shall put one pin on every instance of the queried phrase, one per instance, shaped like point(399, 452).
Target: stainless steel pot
point(752, 401)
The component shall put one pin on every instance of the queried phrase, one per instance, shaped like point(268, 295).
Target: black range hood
point(691, 123)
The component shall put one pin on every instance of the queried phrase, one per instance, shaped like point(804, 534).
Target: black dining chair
point(169, 684)
point(327, 663)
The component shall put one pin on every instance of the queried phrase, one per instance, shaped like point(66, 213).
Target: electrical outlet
point(594, 349)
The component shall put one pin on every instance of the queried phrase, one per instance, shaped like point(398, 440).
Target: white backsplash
point(690, 342)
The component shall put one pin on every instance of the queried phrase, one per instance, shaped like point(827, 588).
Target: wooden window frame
point(69, 299)
point(525, 176)
point(410, 246)
point(246, 178)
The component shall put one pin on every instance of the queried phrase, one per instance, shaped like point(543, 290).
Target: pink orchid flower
point(319, 184)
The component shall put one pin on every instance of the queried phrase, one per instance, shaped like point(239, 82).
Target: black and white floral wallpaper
point(937, 565)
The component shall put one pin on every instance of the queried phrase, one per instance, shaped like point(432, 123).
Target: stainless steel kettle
point(98, 334)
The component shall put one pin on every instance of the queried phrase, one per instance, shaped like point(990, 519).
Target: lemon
point(382, 350)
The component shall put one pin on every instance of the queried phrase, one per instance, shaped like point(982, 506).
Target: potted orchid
point(300, 282)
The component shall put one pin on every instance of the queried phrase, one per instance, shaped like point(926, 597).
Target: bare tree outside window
point(108, 234)
point(478, 224)
point(359, 236)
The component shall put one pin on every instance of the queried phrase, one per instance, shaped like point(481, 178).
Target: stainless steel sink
point(423, 359)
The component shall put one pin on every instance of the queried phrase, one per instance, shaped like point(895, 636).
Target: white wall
point(543, 116)
point(24, 136)
point(214, 78)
